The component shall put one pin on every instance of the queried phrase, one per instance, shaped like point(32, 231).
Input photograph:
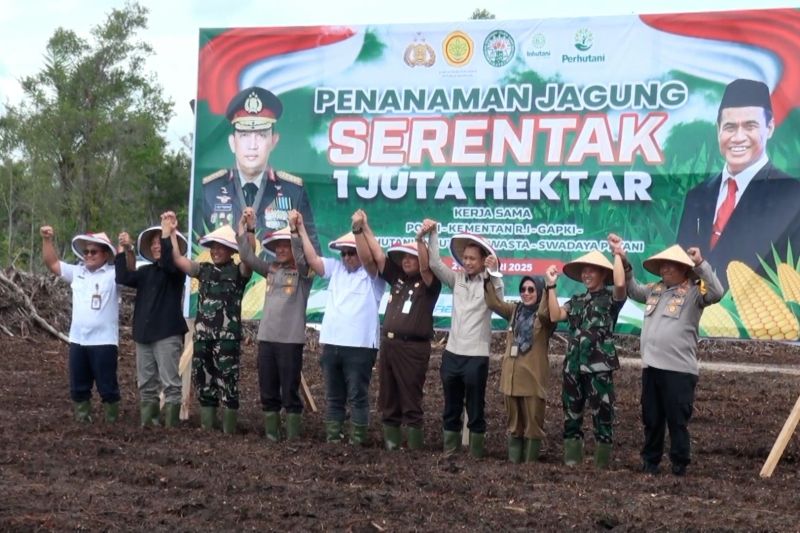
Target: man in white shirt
point(350, 331)
point(741, 212)
point(94, 329)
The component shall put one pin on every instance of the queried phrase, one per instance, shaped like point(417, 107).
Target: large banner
point(541, 135)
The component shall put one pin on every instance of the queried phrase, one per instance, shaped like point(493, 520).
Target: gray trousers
point(157, 369)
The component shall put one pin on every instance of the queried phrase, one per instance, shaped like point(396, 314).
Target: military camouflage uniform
point(591, 358)
point(218, 331)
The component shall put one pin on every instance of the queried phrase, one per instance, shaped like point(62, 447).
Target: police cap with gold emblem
point(253, 109)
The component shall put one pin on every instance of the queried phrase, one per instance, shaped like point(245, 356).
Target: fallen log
point(34, 313)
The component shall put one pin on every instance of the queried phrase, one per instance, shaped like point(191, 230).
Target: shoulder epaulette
point(215, 175)
point(291, 178)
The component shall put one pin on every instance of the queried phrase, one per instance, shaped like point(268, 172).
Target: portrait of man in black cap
point(742, 211)
point(253, 114)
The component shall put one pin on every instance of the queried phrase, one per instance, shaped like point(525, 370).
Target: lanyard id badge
point(97, 300)
point(407, 304)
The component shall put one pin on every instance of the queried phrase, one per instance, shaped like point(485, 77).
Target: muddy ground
point(58, 475)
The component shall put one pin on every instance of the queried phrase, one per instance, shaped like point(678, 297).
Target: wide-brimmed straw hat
point(398, 249)
point(593, 258)
point(673, 254)
point(460, 241)
point(271, 240)
point(348, 240)
point(79, 243)
point(146, 236)
point(223, 235)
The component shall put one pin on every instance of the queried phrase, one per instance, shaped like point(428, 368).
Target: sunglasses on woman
point(529, 290)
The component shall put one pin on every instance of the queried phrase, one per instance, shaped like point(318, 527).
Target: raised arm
point(714, 290)
point(299, 255)
point(440, 270)
point(169, 228)
point(49, 254)
point(247, 243)
point(425, 271)
point(490, 294)
point(378, 255)
point(557, 313)
point(125, 261)
point(635, 290)
point(314, 260)
point(362, 246)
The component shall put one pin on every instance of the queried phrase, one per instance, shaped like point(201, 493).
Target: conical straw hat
point(223, 235)
point(146, 235)
point(271, 240)
point(460, 241)
point(674, 253)
point(79, 243)
point(348, 240)
point(398, 249)
point(593, 258)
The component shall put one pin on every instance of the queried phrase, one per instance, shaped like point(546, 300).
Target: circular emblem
point(498, 48)
point(538, 41)
point(583, 39)
point(253, 104)
point(457, 48)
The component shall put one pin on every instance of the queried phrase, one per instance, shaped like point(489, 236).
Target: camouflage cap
point(254, 109)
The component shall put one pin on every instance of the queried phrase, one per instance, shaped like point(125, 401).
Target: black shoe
point(650, 468)
point(679, 470)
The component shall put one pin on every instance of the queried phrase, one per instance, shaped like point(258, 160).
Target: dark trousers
point(464, 377)
point(347, 371)
point(279, 367)
point(402, 367)
point(89, 365)
point(667, 399)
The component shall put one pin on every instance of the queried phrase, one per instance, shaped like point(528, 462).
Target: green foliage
point(481, 14)
point(88, 136)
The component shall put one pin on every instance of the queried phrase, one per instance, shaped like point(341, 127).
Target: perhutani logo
point(584, 40)
point(419, 53)
point(458, 48)
point(536, 46)
point(499, 48)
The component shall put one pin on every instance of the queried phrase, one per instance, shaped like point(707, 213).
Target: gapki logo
point(537, 46)
point(584, 40)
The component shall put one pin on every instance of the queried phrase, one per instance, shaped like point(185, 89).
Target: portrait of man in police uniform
point(253, 114)
point(741, 212)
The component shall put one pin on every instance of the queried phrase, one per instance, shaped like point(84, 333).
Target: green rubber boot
point(83, 411)
point(573, 451)
point(476, 445)
point(392, 437)
point(208, 417)
point(272, 425)
point(111, 411)
point(532, 449)
point(452, 442)
point(515, 449)
point(148, 413)
point(229, 417)
point(293, 425)
point(602, 455)
point(358, 435)
point(333, 431)
point(415, 438)
point(172, 415)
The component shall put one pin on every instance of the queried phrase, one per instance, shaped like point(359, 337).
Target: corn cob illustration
point(253, 300)
point(761, 310)
point(790, 283)
point(717, 322)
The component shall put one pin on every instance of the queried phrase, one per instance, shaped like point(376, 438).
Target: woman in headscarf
point(525, 367)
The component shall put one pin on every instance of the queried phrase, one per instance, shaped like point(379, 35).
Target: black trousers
point(464, 378)
point(279, 367)
point(667, 401)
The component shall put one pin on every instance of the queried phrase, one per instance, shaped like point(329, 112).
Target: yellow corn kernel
point(758, 306)
point(717, 322)
point(253, 300)
point(789, 280)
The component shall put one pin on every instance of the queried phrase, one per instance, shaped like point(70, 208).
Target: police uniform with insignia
point(273, 194)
